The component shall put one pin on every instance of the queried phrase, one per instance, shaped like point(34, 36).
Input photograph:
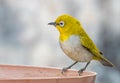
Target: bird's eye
point(61, 23)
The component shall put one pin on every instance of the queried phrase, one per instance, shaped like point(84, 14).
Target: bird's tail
point(106, 62)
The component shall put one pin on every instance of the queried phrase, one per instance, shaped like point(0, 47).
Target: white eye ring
point(61, 23)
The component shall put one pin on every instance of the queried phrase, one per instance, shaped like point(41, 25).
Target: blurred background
point(26, 39)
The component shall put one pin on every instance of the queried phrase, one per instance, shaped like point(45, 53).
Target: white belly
point(73, 49)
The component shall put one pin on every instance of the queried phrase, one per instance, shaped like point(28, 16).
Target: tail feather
point(106, 62)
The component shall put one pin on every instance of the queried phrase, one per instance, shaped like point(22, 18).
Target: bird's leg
point(81, 70)
point(66, 68)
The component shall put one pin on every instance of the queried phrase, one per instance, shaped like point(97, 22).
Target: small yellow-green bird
point(76, 43)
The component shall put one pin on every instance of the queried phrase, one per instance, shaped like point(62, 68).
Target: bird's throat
point(63, 37)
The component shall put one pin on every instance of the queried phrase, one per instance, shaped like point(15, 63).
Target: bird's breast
point(73, 49)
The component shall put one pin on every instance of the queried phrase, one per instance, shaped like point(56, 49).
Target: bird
point(76, 43)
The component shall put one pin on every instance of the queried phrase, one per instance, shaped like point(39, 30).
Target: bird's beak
point(52, 23)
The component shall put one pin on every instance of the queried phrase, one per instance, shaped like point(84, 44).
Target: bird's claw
point(80, 71)
point(64, 69)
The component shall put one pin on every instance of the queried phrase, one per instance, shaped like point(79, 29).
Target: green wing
point(91, 47)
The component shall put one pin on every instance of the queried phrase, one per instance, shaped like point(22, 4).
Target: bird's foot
point(65, 69)
point(80, 71)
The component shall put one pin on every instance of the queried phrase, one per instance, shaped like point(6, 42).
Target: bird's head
point(66, 24)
